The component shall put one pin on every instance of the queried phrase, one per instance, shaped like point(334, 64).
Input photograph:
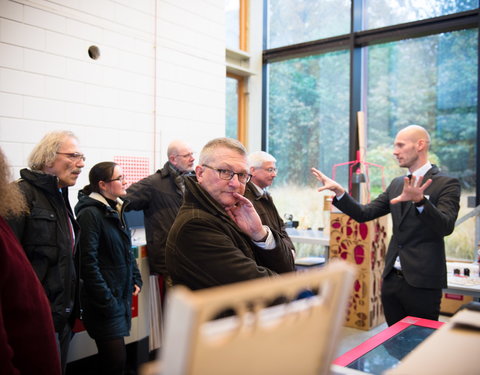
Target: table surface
point(456, 284)
point(316, 237)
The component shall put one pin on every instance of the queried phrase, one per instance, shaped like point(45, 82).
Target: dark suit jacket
point(268, 213)
point(417, 237)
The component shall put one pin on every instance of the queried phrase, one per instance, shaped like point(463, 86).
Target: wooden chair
point(299, 336)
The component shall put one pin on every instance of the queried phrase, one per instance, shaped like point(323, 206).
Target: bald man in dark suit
point(424, 207)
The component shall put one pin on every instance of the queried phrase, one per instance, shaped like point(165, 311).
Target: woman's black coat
point(108, 268)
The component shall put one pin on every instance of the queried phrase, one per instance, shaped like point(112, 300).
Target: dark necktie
point(404, 204)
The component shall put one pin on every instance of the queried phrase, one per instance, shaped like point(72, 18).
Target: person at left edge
point(27, 336)
point(49, 232)
point(109, 270)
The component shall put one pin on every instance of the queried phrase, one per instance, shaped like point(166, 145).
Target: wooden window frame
point(241, 105)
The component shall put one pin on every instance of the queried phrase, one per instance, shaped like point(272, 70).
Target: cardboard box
point(452, 302)
point(365, 245)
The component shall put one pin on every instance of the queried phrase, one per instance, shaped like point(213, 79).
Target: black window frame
point(354, 42)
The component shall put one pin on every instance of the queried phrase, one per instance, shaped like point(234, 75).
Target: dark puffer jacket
point(109, 269)
point(47, 240)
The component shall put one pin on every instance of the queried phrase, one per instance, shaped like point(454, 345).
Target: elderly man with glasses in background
point(263, 171)
point(218, 237)
point(49, 232)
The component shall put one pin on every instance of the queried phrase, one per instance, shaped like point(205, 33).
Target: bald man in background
point(424, 206)
point(160, 196)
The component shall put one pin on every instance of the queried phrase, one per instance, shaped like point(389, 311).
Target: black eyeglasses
point(73, 155)
point(119, 178)
point(227, 174)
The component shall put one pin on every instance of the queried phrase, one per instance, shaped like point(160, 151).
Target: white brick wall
point(48, 81)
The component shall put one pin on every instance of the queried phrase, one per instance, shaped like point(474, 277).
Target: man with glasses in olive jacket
point(218, 237)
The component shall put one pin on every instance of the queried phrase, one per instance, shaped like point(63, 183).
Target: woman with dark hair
point(108, 268)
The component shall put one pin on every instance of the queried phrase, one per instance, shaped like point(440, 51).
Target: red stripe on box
point(457, 297)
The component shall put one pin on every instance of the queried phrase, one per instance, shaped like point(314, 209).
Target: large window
point(235, 107)
point(231, 108)
point(237, 62)
point(423, 72)
point(380, 13)
point(430, 81)
point(232, 23)
point(298, 21)
point(304, 117)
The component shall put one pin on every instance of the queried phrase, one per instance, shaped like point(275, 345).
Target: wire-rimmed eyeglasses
point(73, 155)
point(189, 155)
point(227, 174)
point(270, 170)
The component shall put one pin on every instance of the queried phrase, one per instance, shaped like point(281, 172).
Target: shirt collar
point(422, 170)
point(257, 188)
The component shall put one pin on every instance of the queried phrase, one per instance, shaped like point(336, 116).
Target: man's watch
point(420, 202)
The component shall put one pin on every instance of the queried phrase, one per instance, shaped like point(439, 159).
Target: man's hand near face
point(244, 215)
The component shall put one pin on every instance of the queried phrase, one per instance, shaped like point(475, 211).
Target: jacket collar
point(256, 191)
point(169, 169)
point(100, 198)
point(431, 172)
point(44, 181)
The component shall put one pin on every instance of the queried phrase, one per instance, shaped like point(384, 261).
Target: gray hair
point(45, 152)
point(257, 158)
point(207, 152)
point(174, 146)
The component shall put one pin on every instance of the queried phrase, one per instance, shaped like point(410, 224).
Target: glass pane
point(231, 119)
point(430, 81)
point(381, 13)
point(298, 21)
point(305, 115)
point(232, 19)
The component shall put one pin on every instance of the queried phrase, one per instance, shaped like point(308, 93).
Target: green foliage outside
point(430, 81)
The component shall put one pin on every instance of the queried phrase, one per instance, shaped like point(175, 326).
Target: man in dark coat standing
point(218, 237)
point(160, 196)
point(49, 232)
point(263, 170)
point(422, 214)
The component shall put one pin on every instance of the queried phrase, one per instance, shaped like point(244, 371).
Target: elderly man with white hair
point(263, 170)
